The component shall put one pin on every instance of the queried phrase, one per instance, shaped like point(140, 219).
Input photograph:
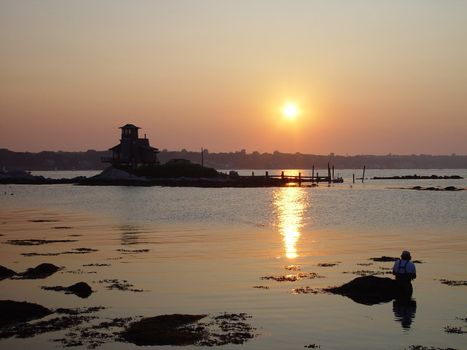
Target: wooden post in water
point(252, 174)
point(267, 174)
point(282, 175)
point(333, 172)
point(317, 177)
point(363, 177)
point(299, 179)
point(329, 173)
point(353, 178)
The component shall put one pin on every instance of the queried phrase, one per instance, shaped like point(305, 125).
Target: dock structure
point(283, 179)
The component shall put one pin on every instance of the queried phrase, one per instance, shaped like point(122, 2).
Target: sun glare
point(290, 111)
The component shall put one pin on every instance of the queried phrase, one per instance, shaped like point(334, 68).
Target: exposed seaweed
point(123, 285)
point(132, 251)
point(453, 283)
point(328, 264)
point(43, 220)
point(29, 242)
point(367, 272)
point(93, 336)
point(422, 347)
point(293, 278)
point(73, 251)
point(454, 330)
point(306, 290)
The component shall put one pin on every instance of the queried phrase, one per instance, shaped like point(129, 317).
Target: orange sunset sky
point(360, 77)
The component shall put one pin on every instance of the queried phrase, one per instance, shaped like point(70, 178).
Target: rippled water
point(209, 247)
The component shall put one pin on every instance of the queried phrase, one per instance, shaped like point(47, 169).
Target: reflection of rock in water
point(404, 311)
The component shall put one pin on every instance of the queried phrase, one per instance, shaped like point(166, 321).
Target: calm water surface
point(209, 247)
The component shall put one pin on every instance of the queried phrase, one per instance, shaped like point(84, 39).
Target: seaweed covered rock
point(198, 330)
point(40, 271)
point(80, 289)
point(368, 290)
point(15, 311)
point(173, 329)
point(6, 272)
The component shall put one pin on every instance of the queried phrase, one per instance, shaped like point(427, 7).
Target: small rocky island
point(134, 162)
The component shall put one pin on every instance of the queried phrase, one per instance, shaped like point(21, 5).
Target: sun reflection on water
point(291, 204)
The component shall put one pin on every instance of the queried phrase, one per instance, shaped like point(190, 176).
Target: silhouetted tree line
point(91, 160)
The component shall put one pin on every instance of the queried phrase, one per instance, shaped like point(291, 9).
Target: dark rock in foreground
point(177, 330)
point(165, 330)
point(14, 311)
point(6, 272)
point(40, 271)
point(80, 289)
point(368, 290)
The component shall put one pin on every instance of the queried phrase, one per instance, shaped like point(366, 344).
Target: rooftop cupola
point(129, 131)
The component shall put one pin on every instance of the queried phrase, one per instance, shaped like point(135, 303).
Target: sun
point(290, 111)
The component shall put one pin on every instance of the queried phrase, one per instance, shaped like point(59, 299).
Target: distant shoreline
point(240, 160)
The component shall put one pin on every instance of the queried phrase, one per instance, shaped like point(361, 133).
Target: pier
point(283, 179)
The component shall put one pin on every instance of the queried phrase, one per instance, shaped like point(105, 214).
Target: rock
point(384, 259)
point(80, 289)
point(452, 188)
point(179, 330)
point(14, 311)
point(6, 272)
point(165, 330)
point(40, 271)
point(368, 290)
point(114, 174)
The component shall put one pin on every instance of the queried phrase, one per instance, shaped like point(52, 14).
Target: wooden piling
point(363, 177)
point(282, 175)
point(353, 178)
point(267, 174)
point(333, 172)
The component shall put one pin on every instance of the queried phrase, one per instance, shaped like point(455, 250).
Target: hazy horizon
point(361, 77)
point(248, 152)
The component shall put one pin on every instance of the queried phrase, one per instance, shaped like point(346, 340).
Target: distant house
point(132, 151)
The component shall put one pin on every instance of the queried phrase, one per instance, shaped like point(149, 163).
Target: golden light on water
point(290, 203)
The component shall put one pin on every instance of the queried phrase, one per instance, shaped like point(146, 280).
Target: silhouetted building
point(132, 151)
